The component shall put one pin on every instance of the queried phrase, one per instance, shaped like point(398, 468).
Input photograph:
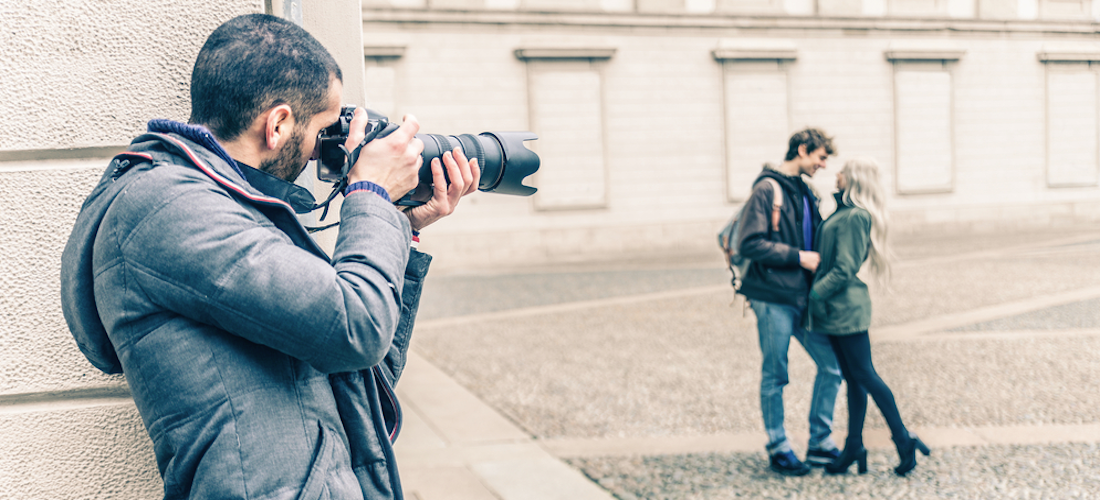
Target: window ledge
point(924, 55)
point(755, 54)
point(384, 51)
point(598, 53)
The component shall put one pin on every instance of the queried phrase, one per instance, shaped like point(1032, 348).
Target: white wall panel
point(917, 7)
point(380, 85)
point(923, 113)
point(562, 5)
point(1072, 128)
point(567, 114)
point(757, 125)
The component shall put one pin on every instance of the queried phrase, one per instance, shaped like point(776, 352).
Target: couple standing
point(802, 283)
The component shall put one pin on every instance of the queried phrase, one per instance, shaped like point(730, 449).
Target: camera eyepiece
point(502, 157)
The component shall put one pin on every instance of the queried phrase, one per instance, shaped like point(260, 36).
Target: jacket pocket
point(819, 314)
point(316, 484)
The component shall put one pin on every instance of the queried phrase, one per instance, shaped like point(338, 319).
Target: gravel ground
point(448, 296)
point(991, 472)
point(690, 366)
point(1077, 315)
point(675, 367)
point(920, 246)
point(919, 292)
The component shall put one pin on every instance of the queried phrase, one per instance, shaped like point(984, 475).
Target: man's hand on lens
point(465, 175)
point(392, 161)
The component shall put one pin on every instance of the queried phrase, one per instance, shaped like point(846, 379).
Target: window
point(565, 89)
point(1065, 9)
point(381, 77)
point(923, 121)
point(1073, 123)
point(756, 111)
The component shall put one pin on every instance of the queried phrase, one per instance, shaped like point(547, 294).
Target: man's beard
point(290, 162)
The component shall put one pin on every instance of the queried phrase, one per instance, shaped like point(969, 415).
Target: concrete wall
point(79, 80)
point(671, 171)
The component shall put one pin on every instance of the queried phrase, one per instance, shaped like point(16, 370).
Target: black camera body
point(502, 156)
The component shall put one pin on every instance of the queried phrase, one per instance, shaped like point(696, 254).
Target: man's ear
point(802, 153)
point(278, 126)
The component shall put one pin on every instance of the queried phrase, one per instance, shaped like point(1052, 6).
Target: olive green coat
point(839, 301)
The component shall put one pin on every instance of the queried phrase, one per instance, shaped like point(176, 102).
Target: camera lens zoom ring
point(471, 144)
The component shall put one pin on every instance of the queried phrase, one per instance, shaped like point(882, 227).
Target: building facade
point(654, 116)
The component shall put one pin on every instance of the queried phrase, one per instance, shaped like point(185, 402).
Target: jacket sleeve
point(755, 227)
point(204, 256)
point(851, 241)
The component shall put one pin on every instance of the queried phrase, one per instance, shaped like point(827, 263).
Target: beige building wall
point(77, 82)
point(676, 104)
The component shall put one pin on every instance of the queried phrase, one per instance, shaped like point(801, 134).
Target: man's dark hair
point(253, 63)
point(813, 139)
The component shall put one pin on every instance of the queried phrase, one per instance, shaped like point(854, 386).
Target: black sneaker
point(821, 458)
point(787, 464)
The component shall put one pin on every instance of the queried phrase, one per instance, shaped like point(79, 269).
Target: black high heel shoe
point(844, 461)
point(907, 452)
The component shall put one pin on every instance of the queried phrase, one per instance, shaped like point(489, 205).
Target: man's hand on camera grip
point(392, 161)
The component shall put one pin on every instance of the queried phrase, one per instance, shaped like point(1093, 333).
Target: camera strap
point(350, 157)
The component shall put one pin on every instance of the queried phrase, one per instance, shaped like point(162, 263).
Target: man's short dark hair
point(253, 63)
point(813, 139)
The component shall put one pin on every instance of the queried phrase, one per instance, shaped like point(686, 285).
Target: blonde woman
point(840, 307)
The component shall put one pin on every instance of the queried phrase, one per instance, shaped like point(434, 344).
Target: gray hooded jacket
point(262, 368)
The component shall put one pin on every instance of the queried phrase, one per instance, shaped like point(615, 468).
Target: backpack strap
point(777, 202)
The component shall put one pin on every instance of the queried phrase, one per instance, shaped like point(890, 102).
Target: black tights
point(853, 353)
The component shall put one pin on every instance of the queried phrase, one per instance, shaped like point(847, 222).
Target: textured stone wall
point(91, 73)
point(85, 74)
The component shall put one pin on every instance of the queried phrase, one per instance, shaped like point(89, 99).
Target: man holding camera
point(778, 237)
point(262, 368)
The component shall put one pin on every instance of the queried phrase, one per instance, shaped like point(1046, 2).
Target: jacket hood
point(182, 144)
point(793, 184)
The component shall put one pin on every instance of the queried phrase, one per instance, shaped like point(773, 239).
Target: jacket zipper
point(393, 402)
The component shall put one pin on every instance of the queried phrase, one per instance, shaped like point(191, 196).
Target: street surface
point(641, 379)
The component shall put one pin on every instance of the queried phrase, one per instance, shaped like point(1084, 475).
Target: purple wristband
point(368, 186)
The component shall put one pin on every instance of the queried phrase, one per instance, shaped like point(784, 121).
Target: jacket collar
point(299, 198)
point(839, 197)
point(210, 157)
point(793, 184)
point(197, 134)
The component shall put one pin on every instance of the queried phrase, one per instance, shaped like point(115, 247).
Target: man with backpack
point(776, 235)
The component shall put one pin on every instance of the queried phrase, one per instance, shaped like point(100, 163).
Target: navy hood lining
point(195, 133)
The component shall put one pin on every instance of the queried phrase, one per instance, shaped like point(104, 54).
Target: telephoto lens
point(502, 156)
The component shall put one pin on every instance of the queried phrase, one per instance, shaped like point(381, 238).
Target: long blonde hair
point(864, 190)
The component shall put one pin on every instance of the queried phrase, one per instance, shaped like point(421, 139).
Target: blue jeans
point(776, 324)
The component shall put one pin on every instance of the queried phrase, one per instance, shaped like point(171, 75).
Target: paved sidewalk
point(453, 446)
point(628, 383)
